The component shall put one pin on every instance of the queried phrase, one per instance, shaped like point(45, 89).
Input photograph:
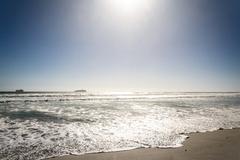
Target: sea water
point(41, 125)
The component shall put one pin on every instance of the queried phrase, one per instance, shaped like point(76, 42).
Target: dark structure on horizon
point(81, 91)
point(19, 91)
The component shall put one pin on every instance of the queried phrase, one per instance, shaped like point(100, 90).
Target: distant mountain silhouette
point(81, 90)
point(19, 91)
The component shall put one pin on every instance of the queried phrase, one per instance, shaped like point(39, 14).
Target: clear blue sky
point(114, 45)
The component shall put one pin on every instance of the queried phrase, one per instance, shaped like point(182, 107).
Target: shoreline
point(222, 144)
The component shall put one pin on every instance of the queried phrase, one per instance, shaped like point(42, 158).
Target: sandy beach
point(217, 145)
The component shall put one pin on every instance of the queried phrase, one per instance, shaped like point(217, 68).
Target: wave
point(107, 97)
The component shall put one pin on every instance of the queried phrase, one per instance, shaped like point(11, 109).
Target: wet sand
point(217, 145)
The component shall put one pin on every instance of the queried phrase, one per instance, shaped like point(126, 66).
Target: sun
point(124, 15)
point(129, 8)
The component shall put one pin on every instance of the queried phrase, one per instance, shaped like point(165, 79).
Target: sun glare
point(129, 8)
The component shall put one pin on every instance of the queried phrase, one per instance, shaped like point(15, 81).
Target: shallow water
point(40, 125)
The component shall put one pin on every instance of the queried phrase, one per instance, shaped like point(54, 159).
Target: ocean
point(41, 125)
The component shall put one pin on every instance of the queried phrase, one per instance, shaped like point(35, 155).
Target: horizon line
point(87, 91)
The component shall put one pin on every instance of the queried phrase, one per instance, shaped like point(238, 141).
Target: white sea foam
point(36, 126)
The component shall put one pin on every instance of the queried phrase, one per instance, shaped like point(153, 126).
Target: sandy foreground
point(217, 145)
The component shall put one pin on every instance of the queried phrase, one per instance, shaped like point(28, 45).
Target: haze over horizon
point(120, 45)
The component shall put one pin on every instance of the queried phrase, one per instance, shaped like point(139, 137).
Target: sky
point(120, 45)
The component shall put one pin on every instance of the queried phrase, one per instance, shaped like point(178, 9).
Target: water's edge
point(187, 136)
